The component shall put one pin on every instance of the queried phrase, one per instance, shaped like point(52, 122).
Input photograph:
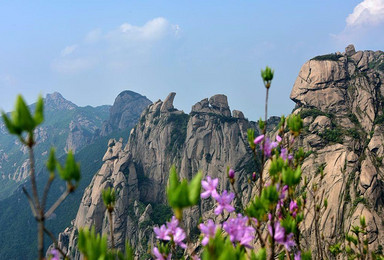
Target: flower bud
point(254, 176)
point(231, 173)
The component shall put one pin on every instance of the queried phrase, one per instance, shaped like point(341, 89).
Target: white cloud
point(368, 12)
point(68, 50)
point(362, 24)
point(93, 36)
point(152, 31)
point(125, 43)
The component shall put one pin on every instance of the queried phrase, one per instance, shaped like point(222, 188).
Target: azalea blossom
point(179, 236)
point(293, 208)
point(55, 254)
point(280, 236)
point(171, 232)
point(160, 256)
point(208, 230)
point(224, 202)
point(231, 173)
point(162, 233)
point(173, 224)
point(258, 139)
point(210, 186)
point(239, 231)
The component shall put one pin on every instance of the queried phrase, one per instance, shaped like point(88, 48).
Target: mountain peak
point(58, 102)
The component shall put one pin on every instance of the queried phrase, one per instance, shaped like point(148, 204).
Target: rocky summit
point(125, 112)
point(210, 138)
point(340, 96)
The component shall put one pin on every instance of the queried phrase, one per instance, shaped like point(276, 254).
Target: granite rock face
point(341, 98)
point(209, 139)
point(125, 111)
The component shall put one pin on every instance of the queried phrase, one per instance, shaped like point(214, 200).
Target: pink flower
point(278, 138)
point(284, 192)
point(210, 186)
point(55, 254)
point(239, 231)
point(258, 139)
point(173, 224)
point(224, 202)
point(160, 256)
point(178, 237)
point(298, 255)
point(209, 230)
point(280, 237)
point(293, 208)
point(231, 173)
point(162, 233)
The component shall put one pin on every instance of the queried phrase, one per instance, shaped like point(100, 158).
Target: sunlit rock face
point(208, 139)
point(340, 98)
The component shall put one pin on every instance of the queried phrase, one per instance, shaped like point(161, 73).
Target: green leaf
point(109, 197)
point(194, 189)
point(289, 224)
point(51, 162)
point(251, 137)
point(267, 74)
point(295, 124)
point(270, 195)
point(276, 167)
point(261, 124)
point(257, 208)
point(22, 117)
point(39, 111)
point(291, 177)
point(71, 170)
point(10, 126)
point(260, 255)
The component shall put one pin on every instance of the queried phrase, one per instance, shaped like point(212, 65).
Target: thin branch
point(32, 173)
point(31, 204)
point(111, 229)
point(45, 194)
point(50, 234)
point(57, 203)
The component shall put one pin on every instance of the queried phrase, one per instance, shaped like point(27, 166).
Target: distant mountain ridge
point(66, 126)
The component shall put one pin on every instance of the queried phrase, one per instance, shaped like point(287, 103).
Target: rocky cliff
point(341, 98)
point(210, 138)
point(125, 112)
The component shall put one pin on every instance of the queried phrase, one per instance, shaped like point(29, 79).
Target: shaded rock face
point(125, 111)
point(341, 101)
point(208, 139)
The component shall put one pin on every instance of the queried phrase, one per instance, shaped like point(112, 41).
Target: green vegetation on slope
point(18, 239)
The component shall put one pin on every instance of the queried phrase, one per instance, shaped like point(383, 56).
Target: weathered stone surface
point(238, 114)
point(125, 111)
point(208, 139)
point(320, 124)
point(350, 50)
point(168, 103)
point(347, 91)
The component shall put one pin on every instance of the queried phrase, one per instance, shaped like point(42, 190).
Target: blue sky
point(90, 51)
